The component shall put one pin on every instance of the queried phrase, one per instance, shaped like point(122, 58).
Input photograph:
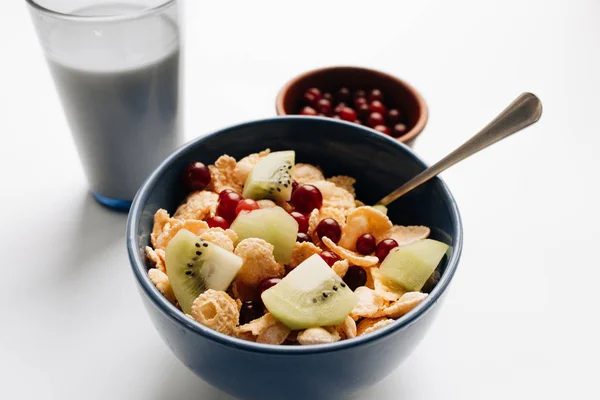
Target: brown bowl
point(397, 93)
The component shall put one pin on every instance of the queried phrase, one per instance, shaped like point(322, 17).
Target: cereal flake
point(156, 258)
point(216, 310)
point(372, 324)
point(364, 220)
point(222, 175)
point(334, 196)
point(266, 203)
point(382, 286)
point(220, 237)
point(198, 205)
point(405, 304)
point(370, 303)
point(345, 182)
point(265, 329)
point(246, 165)
point(347, 329)
point(194, 226)
point(302, 251)
point(340, 267)
point(306, 173)
point(162, 283)
point(316, 336)
point(162, 220)
point(259, 262)
point(408, 234)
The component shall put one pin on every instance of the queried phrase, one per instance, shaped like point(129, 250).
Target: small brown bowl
point(397, 94)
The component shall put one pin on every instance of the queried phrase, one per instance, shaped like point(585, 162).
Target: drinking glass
point(115, 66)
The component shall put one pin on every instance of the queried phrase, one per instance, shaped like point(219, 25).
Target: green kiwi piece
point(273, 225)
point(381, 208)
point(195, 265)
point(311, 295)
point(411, 266)
point(271, 177)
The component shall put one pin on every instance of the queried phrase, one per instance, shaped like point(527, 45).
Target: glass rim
point(115, 17)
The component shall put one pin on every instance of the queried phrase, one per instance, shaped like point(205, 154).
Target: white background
point(521, 318)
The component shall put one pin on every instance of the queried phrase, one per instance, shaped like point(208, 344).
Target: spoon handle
point(522, 112)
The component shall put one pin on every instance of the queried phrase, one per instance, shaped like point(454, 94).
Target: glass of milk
point(116, 68)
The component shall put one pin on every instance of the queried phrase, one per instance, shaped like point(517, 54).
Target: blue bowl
point(250, 370)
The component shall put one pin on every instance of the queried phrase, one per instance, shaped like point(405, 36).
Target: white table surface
point(521, 318)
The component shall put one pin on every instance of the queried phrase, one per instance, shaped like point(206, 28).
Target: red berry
point(324, 106)
point(365, 244)
point(308, 111)
point(267, 284)
point(328, 96)
point(246, 205)
point(250, 311)
point(375, 119)
point(360, 93)
point(399, 130)
point(227, 206)
point(382, 129)
point(217, 222)
point(196, 176)
point(363, 111)
point(306, 198)
point(376, 95)
point(355, 277)
point(329, 257)
point(348, 114)
point(302, 237)
point(359, 102)
point(302, 221)
point(339, 107)
point(343, 94)
point(393, 116)
point(294, 186)
point(312, 95)
point(330, 228)
point(377, 106)
point(384, 247)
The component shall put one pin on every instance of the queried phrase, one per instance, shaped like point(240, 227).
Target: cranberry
point(384, 247)
point(339, 107)
point(360, 93)
point(302, 221)
point(377, 106)
point(302, 237)
point(343, 94)
point(294, 186)
point(324, 106)
point(217, 222)
point(328, 96)
point(365, 244)
point(359, 102)
point(196, 176)
point(312, 96)
point(330, 228)
point(348, 114)
point(224, 193)
point(306, 198)
point(376, 95)
point(227, 206)
point(250, 311)
point(382, 129)
point(363, 111)
point(308, 111)
point(329, 257)
point(246, 205)
point(399, 130)
point(355, 277)
point(375, 119)
point(267, 284)
point(393, 116)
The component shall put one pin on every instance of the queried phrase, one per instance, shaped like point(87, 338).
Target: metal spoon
point(522, 112)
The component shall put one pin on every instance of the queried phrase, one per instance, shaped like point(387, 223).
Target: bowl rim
point(422, 105)
point(159, 301)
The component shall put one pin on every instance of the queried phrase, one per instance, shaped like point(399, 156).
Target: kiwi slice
point(195, 265)
point(411, 266)
point(381, 208)
point(271, 177)
point(311, 295)
point(273, 225)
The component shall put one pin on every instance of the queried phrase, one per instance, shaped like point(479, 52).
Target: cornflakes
point(198, 205)
point(364, 220)
point(405, 304)
point(340, 267)
point(306, 173)
point(220, 237)
point(194, 226)
point(159, 262)
point(316, 336)
point(245, 166)
point(345, 182)
point(369, 303)
point(216, 310)
point(161, 281)
point(372, 324)
point(301, 251)
point(408, 234)
point(259, 262)
point(222, 175)
point(384, 288)
point(335, 196)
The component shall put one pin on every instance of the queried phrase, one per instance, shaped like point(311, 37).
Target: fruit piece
point(376, 94)
point(267, 284)
point(324, 106)
point(377, 106)
point(246, 205)
point(358, 102)
point(329, 227)
point(382, 209)
point(294, 186)
point(329, 257)
point(273, 225)
point(348, 114)
point(224, 193)
point(250, 311)
point(338, 108)
point(308, 111)
point(217, 222)
point(195, 265)
point(312, 96)
point(375, 119)
point(302, 237)
point(306, 198)
point(384, 247)
point(383, 129)
point(196, 176)
point(393, 116)
point(302, 221)
point(365, 244)
point(363, 111)
point(311, 295)
point(328, 96)
point(355, 277)
point(343, 94)
point(399, 130)
point(227, 205)
point(410, 266)
point(271, 177)
point(360, 94)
